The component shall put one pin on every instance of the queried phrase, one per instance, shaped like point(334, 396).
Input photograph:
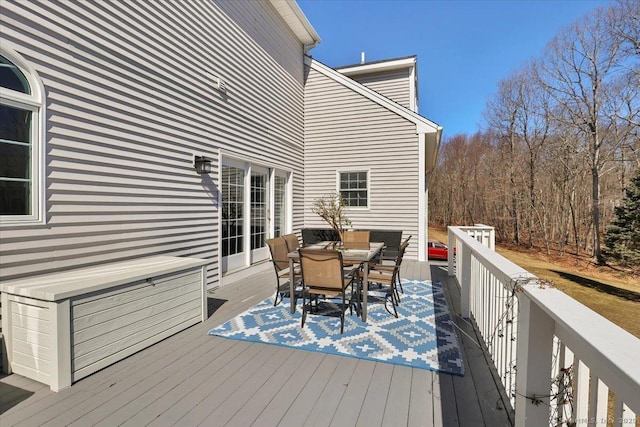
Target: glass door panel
point(279, 205)
point(259, 214)
point(233, 224)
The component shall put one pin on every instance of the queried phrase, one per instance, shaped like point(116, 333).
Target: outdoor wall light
point(202, 164)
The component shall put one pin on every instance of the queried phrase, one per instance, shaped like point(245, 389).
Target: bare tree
point(578, 65)
point(561, 137)
point(624, 24)
point(533, 124)
point(502, 116)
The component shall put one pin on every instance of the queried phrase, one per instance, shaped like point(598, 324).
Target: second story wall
point(345, 131)
point(395, 85)
point(130, 100)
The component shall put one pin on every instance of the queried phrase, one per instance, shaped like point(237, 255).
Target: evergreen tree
point(623, 236)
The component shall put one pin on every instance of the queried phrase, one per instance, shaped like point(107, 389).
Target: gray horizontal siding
point(346, 131)
point(130, 102)
point(394, 85)
point(31, 338)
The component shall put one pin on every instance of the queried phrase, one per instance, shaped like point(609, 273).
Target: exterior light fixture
point(202, 164)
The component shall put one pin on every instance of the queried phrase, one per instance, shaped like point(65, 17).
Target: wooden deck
point(192, 379)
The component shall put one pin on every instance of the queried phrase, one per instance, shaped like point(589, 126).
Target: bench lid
point(67, 284)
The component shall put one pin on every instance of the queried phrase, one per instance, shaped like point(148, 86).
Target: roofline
point(423, 125)
point(298, 22)
point(384, 65)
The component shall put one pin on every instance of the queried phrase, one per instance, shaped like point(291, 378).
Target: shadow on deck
point(192, 378)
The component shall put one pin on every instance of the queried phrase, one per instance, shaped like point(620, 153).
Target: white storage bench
point(61, 327)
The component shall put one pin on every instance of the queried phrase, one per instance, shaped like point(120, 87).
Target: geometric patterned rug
point(422, 336)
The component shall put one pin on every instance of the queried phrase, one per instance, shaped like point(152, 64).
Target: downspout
point(307, 47)
point(422, 197)
point(423, 236)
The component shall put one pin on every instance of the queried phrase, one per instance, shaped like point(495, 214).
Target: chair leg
point(342, 309)
point(278, 293)
point(393, 304)
point(304, 308)
point(392, 296)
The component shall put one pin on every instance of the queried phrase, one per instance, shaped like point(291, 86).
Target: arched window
point(21, 141)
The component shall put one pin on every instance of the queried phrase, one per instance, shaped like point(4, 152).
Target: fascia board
point(378, 66)
point(423, 125)
point(297, 21)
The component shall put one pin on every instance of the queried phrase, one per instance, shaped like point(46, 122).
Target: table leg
point(292, 287)
point(365, 288)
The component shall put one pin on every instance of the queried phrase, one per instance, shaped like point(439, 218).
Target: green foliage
point(623, 236)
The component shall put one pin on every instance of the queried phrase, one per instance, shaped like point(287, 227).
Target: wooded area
point(561, 142)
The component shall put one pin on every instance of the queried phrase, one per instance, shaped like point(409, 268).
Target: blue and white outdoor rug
point(423, 336)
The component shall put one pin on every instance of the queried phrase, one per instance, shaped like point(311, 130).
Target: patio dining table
point(349, 256)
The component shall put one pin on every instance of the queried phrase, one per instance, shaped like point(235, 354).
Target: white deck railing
point(560, 363)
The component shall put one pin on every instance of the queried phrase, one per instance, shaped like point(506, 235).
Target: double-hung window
point(21, 109)
point(353, 186)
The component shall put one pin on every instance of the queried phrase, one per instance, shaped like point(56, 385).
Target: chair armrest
point(351, 272)
point(382, 267)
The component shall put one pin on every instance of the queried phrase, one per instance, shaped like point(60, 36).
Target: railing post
point(450, 244)
point(533, 364)
point(465, 283)
point(492, 239)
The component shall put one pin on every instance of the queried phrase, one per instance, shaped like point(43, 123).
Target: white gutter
point(298, 22)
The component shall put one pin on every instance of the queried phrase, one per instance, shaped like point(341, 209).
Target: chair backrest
point(316, 235)
point(356, 239)
point(292, 242)
point(321, 268)
point(392, 240)
point(279, 252)
point(401, 251)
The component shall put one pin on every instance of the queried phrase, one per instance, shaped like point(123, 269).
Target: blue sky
point(464, 47)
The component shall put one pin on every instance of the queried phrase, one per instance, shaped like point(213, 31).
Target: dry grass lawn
point(613, 294)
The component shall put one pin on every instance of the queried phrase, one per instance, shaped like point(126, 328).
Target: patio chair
point(392, 240)
point(322, 274)
point(383, 265)
point(293, 244)
point(280, 259)
point(389, 275)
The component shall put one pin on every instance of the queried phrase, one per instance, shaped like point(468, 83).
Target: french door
point(233, 217)
point(255, 207)
point(259, 215)
point(280, 204)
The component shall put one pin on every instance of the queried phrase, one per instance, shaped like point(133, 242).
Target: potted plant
point(331, 208)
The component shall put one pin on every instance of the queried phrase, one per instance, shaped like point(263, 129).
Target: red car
point(437, 250)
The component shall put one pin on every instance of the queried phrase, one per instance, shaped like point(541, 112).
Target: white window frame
point(33, 102)
point(338, 189)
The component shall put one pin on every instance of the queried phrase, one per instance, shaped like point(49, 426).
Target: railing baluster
point(557, 351)
point(580, 390)
point(567, 395)
point(598, 393)
point(499, 322)
point(465, 283)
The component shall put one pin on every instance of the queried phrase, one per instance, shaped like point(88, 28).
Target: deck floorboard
point(192, 378)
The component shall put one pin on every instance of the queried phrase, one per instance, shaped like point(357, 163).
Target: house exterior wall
point(346, 131)
point(129, 102)
point(395, 85)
